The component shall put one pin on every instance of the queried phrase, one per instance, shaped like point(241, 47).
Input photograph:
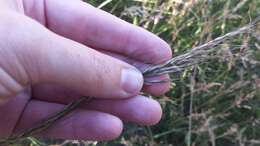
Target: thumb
point(90, 73)
point(34, 55)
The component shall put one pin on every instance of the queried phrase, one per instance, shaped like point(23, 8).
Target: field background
point(216, 103)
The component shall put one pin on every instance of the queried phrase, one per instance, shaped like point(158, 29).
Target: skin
point(55, 51)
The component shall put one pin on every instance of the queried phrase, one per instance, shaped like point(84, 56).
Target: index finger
point(96, 28)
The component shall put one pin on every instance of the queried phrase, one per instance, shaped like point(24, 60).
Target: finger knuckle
point(8, 85)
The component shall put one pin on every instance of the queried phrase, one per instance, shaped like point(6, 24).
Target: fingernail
point(131, 81)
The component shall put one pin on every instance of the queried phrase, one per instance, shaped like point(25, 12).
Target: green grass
point(216, 103)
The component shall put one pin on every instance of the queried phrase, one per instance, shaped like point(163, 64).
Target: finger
point(54, 93)
point(52, 59)
point(101, 30)
point(148, 112)
point(157, 85)
point(92, 72)
point(10, 113)
point(138, 109)
point(152, 85)
point(48, 90)
point(9, 87)
point(80, 124)
point(12, 76)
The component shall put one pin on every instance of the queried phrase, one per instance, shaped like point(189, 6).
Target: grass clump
point(213, 103)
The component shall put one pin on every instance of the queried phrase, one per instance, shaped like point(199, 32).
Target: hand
point(55, 51)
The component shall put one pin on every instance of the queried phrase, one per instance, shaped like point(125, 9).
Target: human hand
point(55, 51)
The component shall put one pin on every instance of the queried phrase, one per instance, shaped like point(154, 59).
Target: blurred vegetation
point(216, 103)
